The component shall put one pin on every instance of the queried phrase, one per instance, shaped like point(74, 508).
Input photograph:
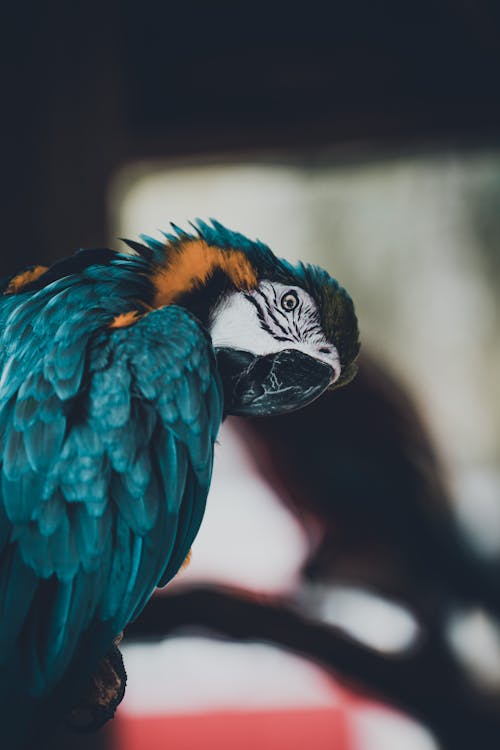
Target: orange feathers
point(123, 320)
point(24, 278)
point(193, 263)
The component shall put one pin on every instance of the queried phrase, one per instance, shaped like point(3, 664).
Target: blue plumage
point(105, 432)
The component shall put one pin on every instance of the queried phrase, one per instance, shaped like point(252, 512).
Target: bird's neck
point(193, 268)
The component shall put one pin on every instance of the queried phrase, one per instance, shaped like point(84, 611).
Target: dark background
point(87, 87)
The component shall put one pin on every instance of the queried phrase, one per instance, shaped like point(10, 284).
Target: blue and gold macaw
point(116, 372)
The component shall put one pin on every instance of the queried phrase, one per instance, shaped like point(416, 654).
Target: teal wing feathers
point(106, 454)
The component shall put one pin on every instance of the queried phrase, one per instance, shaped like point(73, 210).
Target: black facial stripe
point(295, 326)
point(278, 338)
point(260, 314)
point(273, 318)
point(283, 315)
point(312, 329)
point(294, 330)
point(259, 291)
point(262, 320)
point(296, 314)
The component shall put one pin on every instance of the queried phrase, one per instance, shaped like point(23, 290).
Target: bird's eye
point(289, 301)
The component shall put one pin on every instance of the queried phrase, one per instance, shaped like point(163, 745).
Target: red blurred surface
point(321, 729)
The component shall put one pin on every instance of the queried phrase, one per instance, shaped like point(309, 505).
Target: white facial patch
point(270, 319)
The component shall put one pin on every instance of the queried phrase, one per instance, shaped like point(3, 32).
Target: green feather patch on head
point(335, 306)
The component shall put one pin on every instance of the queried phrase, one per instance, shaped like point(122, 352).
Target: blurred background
point(344, 591)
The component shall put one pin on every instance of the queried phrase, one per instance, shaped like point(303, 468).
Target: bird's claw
point(103, 696)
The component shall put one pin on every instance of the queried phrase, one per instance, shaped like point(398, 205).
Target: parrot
point(116, 371)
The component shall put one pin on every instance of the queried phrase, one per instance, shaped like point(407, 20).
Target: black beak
point(271, 384)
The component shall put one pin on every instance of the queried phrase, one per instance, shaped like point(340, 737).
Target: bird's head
point(282, 334)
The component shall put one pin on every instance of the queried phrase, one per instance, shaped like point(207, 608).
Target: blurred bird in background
point(360, 473)
point(369, 476)
point(116, 371)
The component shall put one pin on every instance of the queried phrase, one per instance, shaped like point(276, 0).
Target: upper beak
point(271, 384)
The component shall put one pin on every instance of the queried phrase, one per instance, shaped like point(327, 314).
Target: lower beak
point(271, 384)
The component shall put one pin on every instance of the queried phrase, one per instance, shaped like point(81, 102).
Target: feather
point(25, 413)
point(56, 632)
point(17, 588)
point(43, 441)
point(152, 243)
point(50, 514)
point(168, 408)
point(92, 534)
point(189, 397)
point(22, 496)
point(138, 508)
point(10, 378)
point(15, 460)
point(121, 547)
point(137, 247)
point(64, 551)
point(187, 527)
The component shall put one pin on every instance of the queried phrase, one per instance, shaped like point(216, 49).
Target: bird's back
point(106, 454)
